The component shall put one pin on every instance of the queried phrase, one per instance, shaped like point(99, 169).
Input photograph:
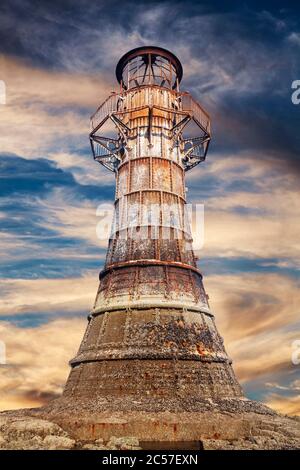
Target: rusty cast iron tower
point(151, 337)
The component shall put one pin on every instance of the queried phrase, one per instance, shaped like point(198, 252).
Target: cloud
point(37, 361)
point(28, 84)
point(293, 386)
point(21, 176)
point(84, 170)
point(43, 208)
point(48, 108)
point(259, 326)
point(49, 296)
point(294, 38)
point(74, 219)
point(251, 209)
point(286, 405)
point(46, 207)
point(252, 304)
point(243, 76)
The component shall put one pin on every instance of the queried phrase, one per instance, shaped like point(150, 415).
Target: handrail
point(187, 105)
point(195, 109)
point(104, 110)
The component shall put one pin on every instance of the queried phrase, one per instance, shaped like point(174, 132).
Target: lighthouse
point(151, 340)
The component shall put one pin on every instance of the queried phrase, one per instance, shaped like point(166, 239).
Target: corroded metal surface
point(151, 331)
point(150, 221)
point(151, 284)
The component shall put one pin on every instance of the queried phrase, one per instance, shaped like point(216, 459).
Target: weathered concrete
point(211, 429)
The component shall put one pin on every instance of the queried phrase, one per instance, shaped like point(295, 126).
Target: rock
point(28, 427)
point(35, 443)
point(58, 443)
point(94, 447)
point(245, 429)
point(28, 433)
point(123, 443)
point(97, 445)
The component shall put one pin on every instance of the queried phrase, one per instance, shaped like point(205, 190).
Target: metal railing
point(109, 106)
point(193, 108)
point(188, 105)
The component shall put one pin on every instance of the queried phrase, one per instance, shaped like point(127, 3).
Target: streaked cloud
point(258, 316)
point(253, 204)
point(47, 112)
point(37, 361)
point(52, 296)
point(286, 405)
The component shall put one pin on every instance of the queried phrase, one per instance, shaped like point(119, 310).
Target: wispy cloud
point(46, 111)
point(37, 361)
point(286, 405)
point(52, 296)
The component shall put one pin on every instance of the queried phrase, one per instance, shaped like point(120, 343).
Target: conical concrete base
point(162, 357)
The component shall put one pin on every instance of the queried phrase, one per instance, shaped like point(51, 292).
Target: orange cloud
point(286, 405)
point(46, 295)
point(27, 125)
point(37, 361)
point(270, 228)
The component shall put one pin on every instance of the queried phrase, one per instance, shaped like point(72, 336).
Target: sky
point(57, 60)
